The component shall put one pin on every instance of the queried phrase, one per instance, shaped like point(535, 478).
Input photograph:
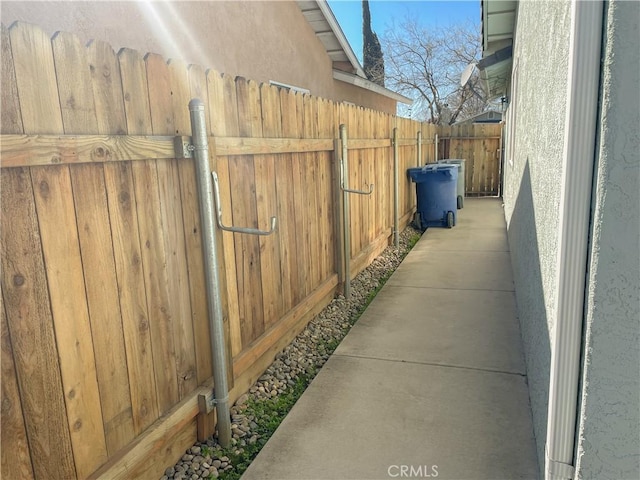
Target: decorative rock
point(305, 355)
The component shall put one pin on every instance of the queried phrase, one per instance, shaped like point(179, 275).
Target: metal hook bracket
point(248, 231)
point(359, 192)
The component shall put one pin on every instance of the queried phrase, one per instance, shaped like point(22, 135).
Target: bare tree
point(426, 65)
point(373, 64)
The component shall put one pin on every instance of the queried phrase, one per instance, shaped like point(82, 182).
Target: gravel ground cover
point(257, 413)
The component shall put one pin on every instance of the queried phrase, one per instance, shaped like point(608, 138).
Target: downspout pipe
point(200, 145)
point(578, 161)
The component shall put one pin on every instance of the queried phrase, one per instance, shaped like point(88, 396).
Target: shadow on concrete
point(527, 276)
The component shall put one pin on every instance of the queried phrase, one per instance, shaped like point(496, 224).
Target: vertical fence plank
point(129, 265)
point(226, 106)
point(153, 255)
point(309, 172)
point(371, 179)
point(300, 201)
point(242, 174)
point(79, 117)
point(109, 104)
point(180, 96)
point(14, 447)
point(352, 181)
point(127, 255)
point(41, 113)
point(325, 189)
point(218, 89)
point(10, 115)
point(163, 123)
point(27, 304)
point(33, 59)
point(54, 202)
point(286, 207)
point(267, 206)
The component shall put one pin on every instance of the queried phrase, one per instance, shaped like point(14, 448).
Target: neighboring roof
point(327, 29)
point(490, 116)
point(369, 85)
point(498, 24)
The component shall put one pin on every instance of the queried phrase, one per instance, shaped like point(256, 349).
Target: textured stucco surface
point(532, 187)
point(609, 430)
point(262, 41)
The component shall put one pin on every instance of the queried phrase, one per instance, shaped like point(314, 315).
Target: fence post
point(435, 146)
point(396, 202)
point(344, 175)
point(338, 206)
point(212, 277)
point(419, 141)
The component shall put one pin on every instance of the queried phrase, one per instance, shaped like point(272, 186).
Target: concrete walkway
point(430, 382)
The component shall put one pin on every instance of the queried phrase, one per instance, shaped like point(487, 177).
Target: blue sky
point(383, 12)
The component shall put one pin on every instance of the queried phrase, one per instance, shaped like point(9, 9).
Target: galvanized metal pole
point(344, 175)
point(419, 163)
point(214, 300)
point(435, 145)
point(396, 201)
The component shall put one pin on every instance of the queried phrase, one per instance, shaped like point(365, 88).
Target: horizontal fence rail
point(106, 358)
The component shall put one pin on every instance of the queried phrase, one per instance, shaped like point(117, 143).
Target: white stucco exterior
point(532, 186)
point(608, 431)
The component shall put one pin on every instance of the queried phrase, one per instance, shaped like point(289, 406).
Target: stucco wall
point(532, 187)
point(267, 40)
point(609, 431)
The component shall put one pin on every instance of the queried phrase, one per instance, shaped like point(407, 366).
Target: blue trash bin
point(436, 188)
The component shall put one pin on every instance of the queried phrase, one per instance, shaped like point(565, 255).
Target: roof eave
point(327, 29)
point(498, 24)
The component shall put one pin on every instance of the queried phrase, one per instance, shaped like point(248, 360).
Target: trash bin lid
point(418, 174)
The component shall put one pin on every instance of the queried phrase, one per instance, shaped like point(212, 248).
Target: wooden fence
point(105, 338)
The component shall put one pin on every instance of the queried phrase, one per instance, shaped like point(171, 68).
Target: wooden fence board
point(14, 447)
point(150, 230)
point(269, 146)
point(79, 117)
point(226, 250)
point(267, 206)
point(226, 107)
point(181, 96)
point(108, 97)
point(177, 277)
point(325, 198)
point(34, 150)
point(95, 235)
point(54, 202)
point(286, 210)
point(63, 264)
point(135, 317)
point(309, 170)
point(33, 58)
point(301, 194)
point(10, 115)
point(26, 297)
point(242, 174)
point(153, 256)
